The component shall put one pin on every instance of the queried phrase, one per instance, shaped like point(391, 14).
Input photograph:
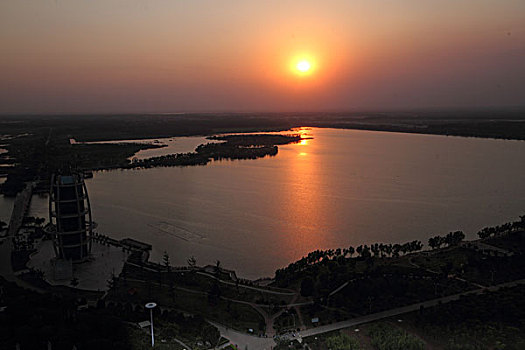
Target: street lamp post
point(151, 306)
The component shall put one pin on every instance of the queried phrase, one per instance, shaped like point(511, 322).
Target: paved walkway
point(269, 318)
point(247, 341)
point(243, 340)
point(91, 275)
point(401, 310)
point(269, 291)
point(485, 247)
point(338, 289)
point(454, 277)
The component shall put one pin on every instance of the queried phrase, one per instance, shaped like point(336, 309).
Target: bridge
point(20, 208)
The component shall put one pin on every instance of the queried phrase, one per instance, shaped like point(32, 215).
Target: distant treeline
point(363, 251)
point(494, 231)
point(233, 147)
point(38, 158)
point(383, 250)
point(351, 281)
point(37, 145)
point(376, 250)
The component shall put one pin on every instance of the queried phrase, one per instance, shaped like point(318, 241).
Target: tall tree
point(166, 260)
point(351, 251)
point(192, 262)
point(217, 268)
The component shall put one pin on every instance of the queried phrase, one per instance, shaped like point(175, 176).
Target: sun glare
point(303, 66)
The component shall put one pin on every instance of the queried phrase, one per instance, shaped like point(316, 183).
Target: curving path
point(401, 310)
point(269, 291)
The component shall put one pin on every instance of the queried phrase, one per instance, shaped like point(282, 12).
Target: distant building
point(70, 214)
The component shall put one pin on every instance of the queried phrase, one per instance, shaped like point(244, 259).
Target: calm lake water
point(171, 145)
point(341, 188)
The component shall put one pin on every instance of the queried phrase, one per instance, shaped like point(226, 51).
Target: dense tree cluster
point(248, 140)
point(451, 239)
point(365, 283)
point(379, 250)
point(32, 320)
point(233, 147)
point(498, 230)
point(492, 320)
point(386, 287)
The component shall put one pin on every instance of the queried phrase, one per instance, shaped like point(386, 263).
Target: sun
point(303, 66)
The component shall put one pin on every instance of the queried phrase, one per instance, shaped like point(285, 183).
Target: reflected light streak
point(304, 211)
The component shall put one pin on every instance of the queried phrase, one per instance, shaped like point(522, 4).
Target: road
point(20, 208)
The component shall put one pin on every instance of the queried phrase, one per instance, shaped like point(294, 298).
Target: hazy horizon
point(120, 57)
point(364, 111)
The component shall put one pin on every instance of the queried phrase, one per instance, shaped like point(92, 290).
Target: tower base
point(62, 269)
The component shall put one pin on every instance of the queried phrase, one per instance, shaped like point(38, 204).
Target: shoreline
point(219, 296)
point(91, 153)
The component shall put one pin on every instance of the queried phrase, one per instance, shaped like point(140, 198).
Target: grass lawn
point(196, 281)
point(231, 314)
point(140, 339)
point(377, 335)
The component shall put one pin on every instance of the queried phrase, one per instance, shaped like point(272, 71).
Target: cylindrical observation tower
point(70, 213)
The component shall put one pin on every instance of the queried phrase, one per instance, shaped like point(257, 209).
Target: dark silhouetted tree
point(307, 287)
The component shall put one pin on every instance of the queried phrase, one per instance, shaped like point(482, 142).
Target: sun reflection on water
point(303, 211)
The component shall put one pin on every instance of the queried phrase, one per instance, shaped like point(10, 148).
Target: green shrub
point(387, 337)
point(342, 342)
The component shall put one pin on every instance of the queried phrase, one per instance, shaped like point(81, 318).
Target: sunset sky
point(95, 56)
